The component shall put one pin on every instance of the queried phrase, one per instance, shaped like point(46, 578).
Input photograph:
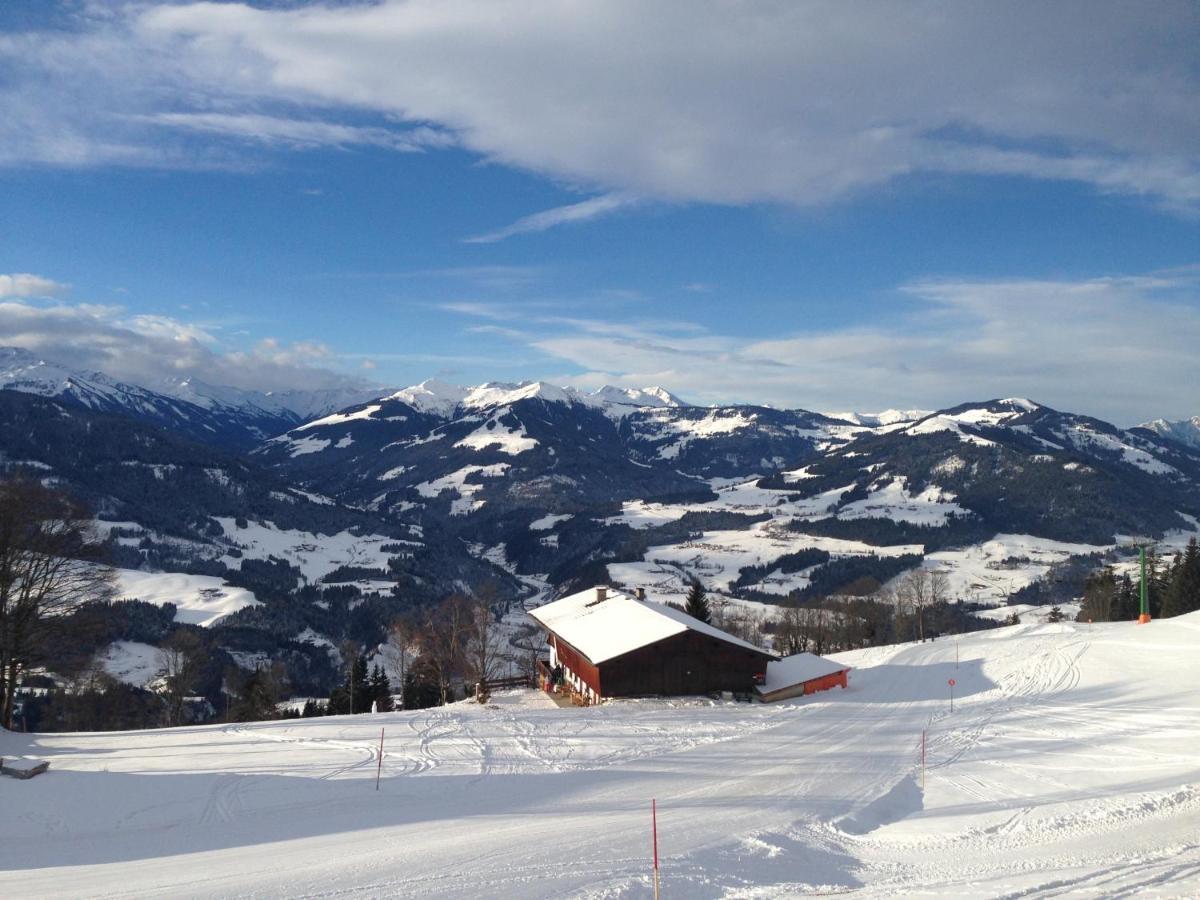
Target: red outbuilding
point(801, 674)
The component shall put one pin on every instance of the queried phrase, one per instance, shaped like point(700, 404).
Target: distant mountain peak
point(442, 398)
point(1183, 431)
point(887, 417)
point(432, 396)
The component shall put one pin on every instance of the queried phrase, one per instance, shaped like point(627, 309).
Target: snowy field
point(1069, 767)
point(199, 599)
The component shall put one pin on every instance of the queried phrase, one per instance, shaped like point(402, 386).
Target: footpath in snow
point(1069, 767)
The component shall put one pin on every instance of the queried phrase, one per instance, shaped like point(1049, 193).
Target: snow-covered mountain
point(553, 486)
point(443, 399)
point(887, 417)
point(1185, 431)
point(224, 416)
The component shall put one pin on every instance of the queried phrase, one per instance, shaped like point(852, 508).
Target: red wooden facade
point(685, 663)
point(825, 682)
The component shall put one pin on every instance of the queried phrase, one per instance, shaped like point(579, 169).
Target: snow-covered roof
point(797, 669)
point(603, 629)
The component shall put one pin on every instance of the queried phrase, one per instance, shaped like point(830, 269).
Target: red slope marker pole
point(922, 759)
point(951, 683)
point(654, 832)
point(379, 762)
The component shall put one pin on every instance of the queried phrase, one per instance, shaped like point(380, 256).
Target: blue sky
point(814, 205)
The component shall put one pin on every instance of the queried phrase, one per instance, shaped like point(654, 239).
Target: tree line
point(1172, 589)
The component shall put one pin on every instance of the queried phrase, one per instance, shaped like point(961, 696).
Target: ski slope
point(1069, 767)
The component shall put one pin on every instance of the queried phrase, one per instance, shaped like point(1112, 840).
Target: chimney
point(640, 593)
point(601, 594)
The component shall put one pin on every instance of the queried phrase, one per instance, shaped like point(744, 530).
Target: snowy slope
point(1068, 768)
point(1186, 432)
point(441, 398)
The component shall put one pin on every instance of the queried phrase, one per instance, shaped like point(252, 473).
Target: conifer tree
point(380, 690)
point(1183, 590)
point(697, 603)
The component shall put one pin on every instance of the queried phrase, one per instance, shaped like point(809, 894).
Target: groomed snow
point(1068, 768)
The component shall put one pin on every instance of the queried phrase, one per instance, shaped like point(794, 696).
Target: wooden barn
point(799, 675)
point(610, 644)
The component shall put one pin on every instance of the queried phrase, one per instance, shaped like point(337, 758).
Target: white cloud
point(1119, 348)
point(559, 215)
point(303, 133)
point(145, 349)
point(686, 100)
point(23, 284)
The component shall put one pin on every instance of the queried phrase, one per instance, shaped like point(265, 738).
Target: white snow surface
point(494, 434)
point(1068, 768)
point(887, 417)
point(992, 571)
point(199, 599)
point(891, 500)
point(545, 523)
point(315, 555)
point(604, 629)
point(132, 662)
point(441, 398)
point(367, 412)
point(458, 484)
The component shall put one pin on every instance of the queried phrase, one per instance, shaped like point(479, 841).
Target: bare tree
point(180, 661)
point(443, 639)
point(483, 647)
point(398, 650)
point(49, 566)
point(790, 634)
point(913, 596)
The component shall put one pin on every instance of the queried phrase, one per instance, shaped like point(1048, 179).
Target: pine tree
point(1055, 615)
point(380, 690)
point(1183, 590)
point(697, 603)
point(360, 687)
point(1127, 603)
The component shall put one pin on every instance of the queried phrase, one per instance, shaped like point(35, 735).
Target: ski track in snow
point(1068, 769)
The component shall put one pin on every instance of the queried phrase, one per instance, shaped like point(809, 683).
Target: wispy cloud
point(303, 133)
point(570, 214)
point(1119, 347)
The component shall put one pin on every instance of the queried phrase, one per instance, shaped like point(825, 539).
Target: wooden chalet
point(611, 644)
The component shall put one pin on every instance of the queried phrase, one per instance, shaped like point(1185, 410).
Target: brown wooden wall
point(578, 663)
point(687, 663)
